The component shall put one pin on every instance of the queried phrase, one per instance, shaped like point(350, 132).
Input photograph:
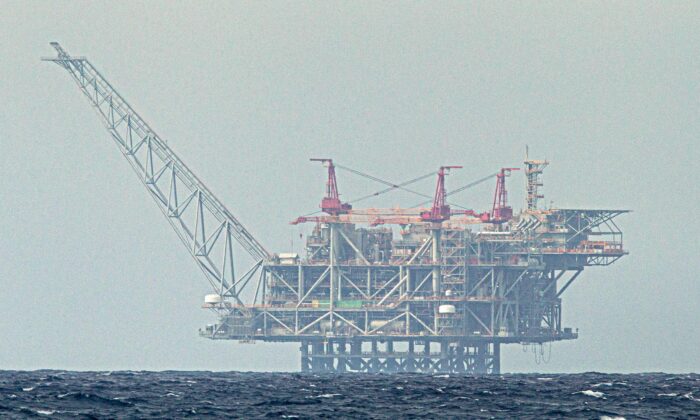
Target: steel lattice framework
point(203, 224)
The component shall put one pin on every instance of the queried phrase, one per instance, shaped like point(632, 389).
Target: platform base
point(393, 356)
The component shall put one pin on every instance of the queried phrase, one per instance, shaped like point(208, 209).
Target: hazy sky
point(92, 277)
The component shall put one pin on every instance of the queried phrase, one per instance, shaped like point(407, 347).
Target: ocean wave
point(297, 395)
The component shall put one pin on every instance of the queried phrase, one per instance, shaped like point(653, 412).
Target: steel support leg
point(496, 359)
point(305, 361)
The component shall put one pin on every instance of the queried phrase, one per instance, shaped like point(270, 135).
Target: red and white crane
point(331, 203)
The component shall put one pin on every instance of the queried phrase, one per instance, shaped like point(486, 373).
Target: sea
point(177, 394)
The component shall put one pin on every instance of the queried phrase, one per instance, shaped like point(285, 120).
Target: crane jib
point(201, 221)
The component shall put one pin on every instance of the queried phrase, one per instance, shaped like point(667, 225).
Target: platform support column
point(496, 359)
point(436, 256)
point(342, 357)
point(444, 363)
point(458, 360)
point(480, 357)
point(411, 359)
point(374, 363)
point(305, 362)
point(356, 355)
point(425, 363)
point(317, 359)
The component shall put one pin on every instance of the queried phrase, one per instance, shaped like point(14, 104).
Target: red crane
point(440, 210)
point(339, 212)
point(501, 212)
point(331, 203)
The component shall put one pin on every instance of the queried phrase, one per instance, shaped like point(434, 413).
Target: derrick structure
point(401, 290)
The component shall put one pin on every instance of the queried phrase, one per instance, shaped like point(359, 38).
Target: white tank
point(212, 299)
point(326, 325)
point(447, 309)
point(396, 325)
point(377, 324)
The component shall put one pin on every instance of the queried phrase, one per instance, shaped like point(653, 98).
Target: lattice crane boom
point(202, 222)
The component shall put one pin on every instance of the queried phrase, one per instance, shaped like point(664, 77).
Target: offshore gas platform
point(430, 288)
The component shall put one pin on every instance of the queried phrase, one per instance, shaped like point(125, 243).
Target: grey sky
point(92, 278)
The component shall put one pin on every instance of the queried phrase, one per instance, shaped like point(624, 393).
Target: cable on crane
point(393, 187)
point(390, 188)
point(313, 213)
point(381, 181)
point(462, 188)
point(472, 184)
point(402, 186)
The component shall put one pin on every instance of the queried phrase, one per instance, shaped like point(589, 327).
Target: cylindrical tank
point(447, 309)
point(377, 324)
point(212, 299)
point(326, 324)
point(279, 331)
point(396, 325)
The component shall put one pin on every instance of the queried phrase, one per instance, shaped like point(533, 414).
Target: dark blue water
point(61, 394)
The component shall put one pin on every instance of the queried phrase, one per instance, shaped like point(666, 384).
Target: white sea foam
point(325, 396)
point(672, 394)
point(611, 418)
point(690, 397)
point(46, 412)
point(591, 393)
point(545, 379)
point(602, 384)
point(31, 388)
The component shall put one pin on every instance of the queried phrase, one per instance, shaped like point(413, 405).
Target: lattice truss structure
point(203, 224)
